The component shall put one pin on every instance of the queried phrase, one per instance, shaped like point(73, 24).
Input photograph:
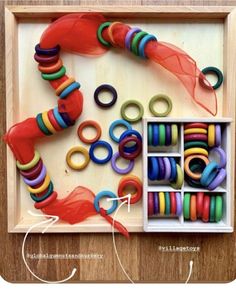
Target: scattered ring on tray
point(108, 194)
point(107, 88)
point(77, 149)
point(130, 181)
point(89, 123)
point(115, 124)
point(132, 103)
point(215, 71)
point(103, 144)
point(160, 98)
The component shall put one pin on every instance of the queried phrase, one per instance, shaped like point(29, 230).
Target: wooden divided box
point(207, 34)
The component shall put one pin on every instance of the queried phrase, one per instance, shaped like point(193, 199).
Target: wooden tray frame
point(13, 13)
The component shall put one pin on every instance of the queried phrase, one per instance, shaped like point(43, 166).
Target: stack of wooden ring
point(52, 69)
point(38, 181)
point(165, 168)
point(164, 203)
point(128, 182)
point(162, 134)
point(133, 151)
point(209, 208)
point(200, 139)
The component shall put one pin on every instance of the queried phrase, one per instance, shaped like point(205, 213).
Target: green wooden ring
point(135, 41)
point(54, 76)
point(191, 144)
point(160, 97)
point(150, 134)
point(212, 208)
point(212, 70)
point(99, 34)
point(132, 103)
point(187, 197)
point(218, 208)
point(44, 196)
point(167, 203)
point(30, 164)
point(162, 135)
point(41, 125)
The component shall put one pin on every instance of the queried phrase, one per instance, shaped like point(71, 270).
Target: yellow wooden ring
point(64, 85)
point(179, 179)
point(162, 202)
point(195, 131)
point(77, 149)
point(43, 187)
point(109, 30)
point(30, 164)
point(47, 122)
point(211, 135)
point(195, 150)
point(174, 134)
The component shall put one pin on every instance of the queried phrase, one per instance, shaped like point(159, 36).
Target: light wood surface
point(140, 255)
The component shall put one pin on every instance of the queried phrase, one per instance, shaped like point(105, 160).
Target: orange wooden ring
point(128, 177)
point(134, 182)
point(109, 31)
point(89, 123)
point(187, 170)
point(64, 85)
point(193, 207)
point(52, 68)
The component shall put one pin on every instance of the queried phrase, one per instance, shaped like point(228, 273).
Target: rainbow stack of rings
point(127, 183)
point(38, 181)
point(164, 203)
point(200, 141)
point(165, 168)
point(162, 134)
point(135, 39)
point(51, 68)
point(198, 205)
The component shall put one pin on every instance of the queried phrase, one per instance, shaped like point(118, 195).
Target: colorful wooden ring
point(218, 179)
point(30, 164)
point(46, 59)
point(155, 203)
point(222, 155)
point(195, 176)
point(162, 203)
point(196, 125)
point(187, 197)
point(150, 204)
point(219, 208)
point(195, 137)
point(160, 98)
point(143, 42)
point(153, 168)
point(41, 125)
point(47, 51)
point(216, 72)
point(130, 35)
point(64, 85)
point(199, 204)
point(217, 135)
point(42, 187)
point(174, 134)
point(193, 208)
point(167, 203)
point(211, 135)
point(132, 103)
point(53, 121)
point(33, 172)
point(47, 201)
point(195, 131)
point(81, 150)
point(162, 135)
point(209, 173)
point(47, 123)
point(192, 144)
point(105, 145)
point(102, 88)
point(178, 203)
point(115, 124)
point(130, 182)
point(206, 208)
point(54, 76)
point(172, 203)
point(136, 40)
point(52, 68)
point(119, 170)
point(180, 178)
point(89, 123)
point(108, 194)
point(39, 198)
point(99, 33)
point(150, 135)
point(195, 150)
point(68, 90)
point(131, 155)
point(212, 208)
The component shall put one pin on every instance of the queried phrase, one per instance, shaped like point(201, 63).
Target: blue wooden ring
point(153, 168)
point(143, 43)
point(47, 51)
point(209, 173)
point(155, 138)
point(173, 169)
point(102, 194)
point(69, 89)
point(59, 118)
point(101, 144)
point(115, 124)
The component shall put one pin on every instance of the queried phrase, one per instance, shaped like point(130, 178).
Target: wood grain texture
point(140, 255)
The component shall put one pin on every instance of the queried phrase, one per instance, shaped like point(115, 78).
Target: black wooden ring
point(215, 71)
point(108, 88)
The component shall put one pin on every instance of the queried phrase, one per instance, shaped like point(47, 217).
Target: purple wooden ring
point(37, 180)
point(119, 170)
point(34, 171)
point(47, 51)
point(155, 203)
point(222, 154)
point(218, 179)
point(217, 135)
point(168, 134)
point(46, 59)
point(178, 204)
point(167, 168)
point(66, 118)
point(129, 35)
point(161, 168)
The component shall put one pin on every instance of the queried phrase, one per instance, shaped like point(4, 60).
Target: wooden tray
point(206, 33)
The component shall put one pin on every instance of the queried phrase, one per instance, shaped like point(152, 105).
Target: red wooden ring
point(206, 208)
point(132, 155)
point(195, 137)
point(53, 121)
point(32, 173)
point(200, 196)
point(89, 123)
point(46, 202)
point(172, 203)
point(196, 125)
point(150, 204)
point(48, 69)
point(130, 182)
